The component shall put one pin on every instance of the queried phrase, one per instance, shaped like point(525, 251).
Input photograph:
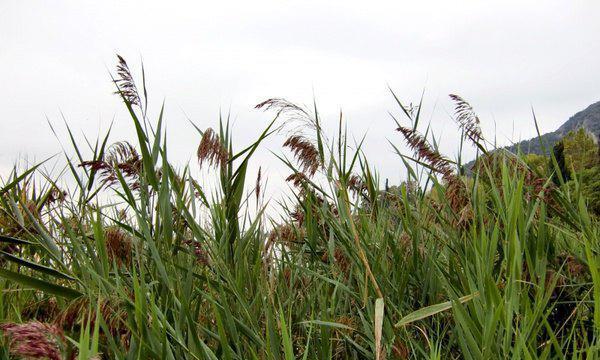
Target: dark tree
point(559, 154)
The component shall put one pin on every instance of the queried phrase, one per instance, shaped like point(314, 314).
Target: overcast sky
point(204, 57)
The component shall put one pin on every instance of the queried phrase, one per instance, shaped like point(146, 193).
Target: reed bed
point(500, 263)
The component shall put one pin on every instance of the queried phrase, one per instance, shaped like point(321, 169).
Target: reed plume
point(297, 118)
point(356, 184)
point(34, 340)
point(80, 312)
point(42, 310)
point(420, 145)
point(124, 156)
point(200, 253)
point(283, 106)
point(211, 150)
point(119, 246)
point(285, 234)
point(125, 83)
point(297, 178)
point(56, 195)
point(467, 119)
point(297, 121)
point(305, 153)
point(456, 191)
point(257, 187)
point(121, 156)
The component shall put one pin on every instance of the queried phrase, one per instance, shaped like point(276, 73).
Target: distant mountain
point(589, 118)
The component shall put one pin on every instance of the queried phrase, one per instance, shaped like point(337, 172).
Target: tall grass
point(500, 264)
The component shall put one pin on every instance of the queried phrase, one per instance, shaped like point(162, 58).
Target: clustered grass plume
point(56, 195)
point(297, 179)
point(126, 84)
point(119, 246)
point(356, 184)
point(292, 111)
point(305, 152)
point(80, 314)
point(420, 145)
point(467, 119)
point(297, 121)
point(121, 157)
point(211, 149)
point(456, 192)
point(257, 187)
point(34, 340)
point(199, 252)
point(128, 256)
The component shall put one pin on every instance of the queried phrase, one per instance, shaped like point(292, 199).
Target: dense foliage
point(587, 119)
point(138, 261)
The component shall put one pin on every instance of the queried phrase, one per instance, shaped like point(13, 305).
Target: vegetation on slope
point(587, 119)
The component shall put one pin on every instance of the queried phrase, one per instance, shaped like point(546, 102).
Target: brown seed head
point(305, 153)
point(297, 179)
point(400, 350)
point(211, 149)
point(121, 156)
point(421, 147)
point(258, 184)
point(341, 260)
point(199, 252)
point(285, 234)
point(125, 83)
point(456, 191)
point(124, 156)
point(79, 312)
point(56, 195)
point(467, 119)
point(119, 245)
point(356, 184)
point(34, 340)
point(282, 106)
point(42, 310)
